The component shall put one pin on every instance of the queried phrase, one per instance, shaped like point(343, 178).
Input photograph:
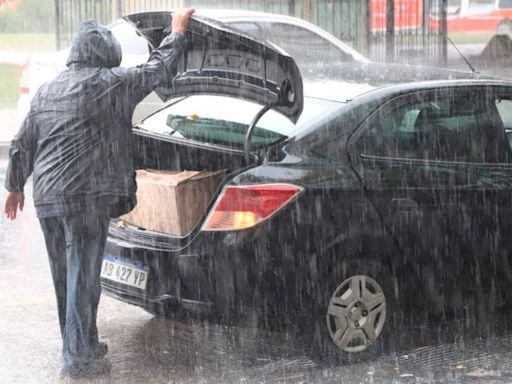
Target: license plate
point(124, 271)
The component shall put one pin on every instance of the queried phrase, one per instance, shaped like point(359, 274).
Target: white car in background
point(40, 68)
point(312, 48)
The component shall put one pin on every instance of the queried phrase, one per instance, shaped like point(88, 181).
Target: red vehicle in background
point(408, 14)
point(475, 21)
point(8, 4)
point(471, 23)
point(467, 20)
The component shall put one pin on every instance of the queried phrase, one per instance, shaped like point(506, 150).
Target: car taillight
point(24, 78)
point(241, 207)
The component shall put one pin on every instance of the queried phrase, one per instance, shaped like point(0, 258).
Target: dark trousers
point(75, 247)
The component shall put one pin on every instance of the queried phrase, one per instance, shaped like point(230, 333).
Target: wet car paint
point(245, 274)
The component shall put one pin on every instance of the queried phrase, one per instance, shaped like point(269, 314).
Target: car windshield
point(224, 120)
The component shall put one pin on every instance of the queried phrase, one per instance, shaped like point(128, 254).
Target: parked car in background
point(293, 35)
point(290, 33)
point(479, 20)
point(42, 67)
point(386, 200)
point(472, 24)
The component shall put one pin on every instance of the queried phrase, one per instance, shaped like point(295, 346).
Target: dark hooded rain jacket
point(76, 140)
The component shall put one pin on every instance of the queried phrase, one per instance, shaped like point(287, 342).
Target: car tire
point(347, 326)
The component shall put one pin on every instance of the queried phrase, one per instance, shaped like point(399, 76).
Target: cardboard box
point(172, 201)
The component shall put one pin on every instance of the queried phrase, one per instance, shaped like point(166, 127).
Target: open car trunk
point(154, 151)
point(175, 211)
point(218, 60)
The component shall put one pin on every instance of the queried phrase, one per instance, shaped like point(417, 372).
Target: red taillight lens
point(24, 78)
point(241, 207)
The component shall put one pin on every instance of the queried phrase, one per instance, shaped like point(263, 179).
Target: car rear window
point(224, 120)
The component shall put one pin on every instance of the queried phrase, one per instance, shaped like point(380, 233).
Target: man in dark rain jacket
point(76, 141)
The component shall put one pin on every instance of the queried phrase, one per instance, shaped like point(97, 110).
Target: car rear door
point(500, 107)
point(435, 164)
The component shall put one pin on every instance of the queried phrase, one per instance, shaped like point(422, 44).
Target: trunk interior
point(156, 152)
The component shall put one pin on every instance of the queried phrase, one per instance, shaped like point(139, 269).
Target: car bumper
point(171, 303)
point(206, 278)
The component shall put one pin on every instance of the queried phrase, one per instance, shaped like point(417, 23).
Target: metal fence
point(70, 13)
point(384, 30)
point(409, 31)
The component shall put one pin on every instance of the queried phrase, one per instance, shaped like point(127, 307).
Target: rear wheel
point(359, 313)
point(356, 314)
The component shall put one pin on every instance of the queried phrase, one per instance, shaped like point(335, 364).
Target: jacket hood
point(95, 46)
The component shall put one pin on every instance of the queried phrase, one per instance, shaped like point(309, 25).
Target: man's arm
point(161, 67)
point(21, 163)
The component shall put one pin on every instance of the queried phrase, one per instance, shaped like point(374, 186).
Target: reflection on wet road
point(144, 349)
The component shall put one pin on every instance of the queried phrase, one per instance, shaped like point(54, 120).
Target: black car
point(383, 192)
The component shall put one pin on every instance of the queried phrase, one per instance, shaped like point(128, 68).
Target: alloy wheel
point(356, 313)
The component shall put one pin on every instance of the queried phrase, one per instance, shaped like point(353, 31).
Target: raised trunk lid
point(221, 60)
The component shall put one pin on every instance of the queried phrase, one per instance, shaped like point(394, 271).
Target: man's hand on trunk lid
point(180, 20)
point(13, 201)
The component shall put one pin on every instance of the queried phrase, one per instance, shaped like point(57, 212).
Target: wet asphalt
point(145, 349)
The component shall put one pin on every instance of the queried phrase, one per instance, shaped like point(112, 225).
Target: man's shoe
point(90, 370)
point(100, 350)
